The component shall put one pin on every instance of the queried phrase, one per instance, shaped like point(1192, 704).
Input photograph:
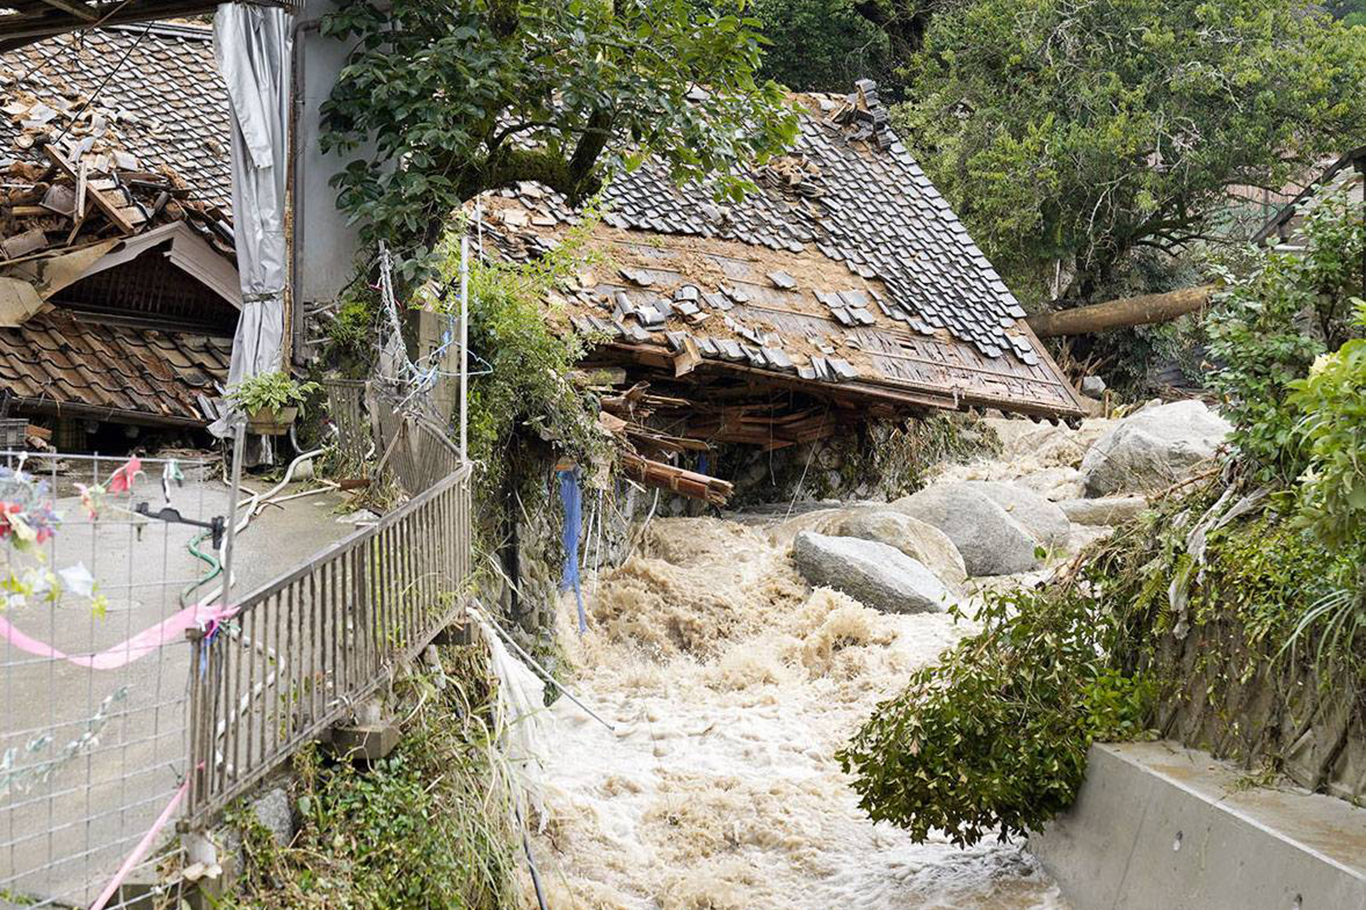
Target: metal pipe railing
point(302, 651)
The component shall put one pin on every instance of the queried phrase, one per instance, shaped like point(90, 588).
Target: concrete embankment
point(1161, 827)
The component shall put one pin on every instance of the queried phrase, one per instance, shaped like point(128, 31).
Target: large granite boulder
point(1152, 449)
point(1041, 517)
point(991, 540)
point(875, 574)
point(922, 542)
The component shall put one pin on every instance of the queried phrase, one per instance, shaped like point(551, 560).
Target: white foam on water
point(731, 686)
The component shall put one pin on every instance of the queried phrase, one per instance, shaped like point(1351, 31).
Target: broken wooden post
point(370, 738)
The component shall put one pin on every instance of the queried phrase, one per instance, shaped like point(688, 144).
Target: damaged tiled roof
point(846, 267)
point(1345, 178)
point(166, 106)
point(60, 363)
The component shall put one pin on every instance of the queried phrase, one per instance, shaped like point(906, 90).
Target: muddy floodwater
point(731, 685)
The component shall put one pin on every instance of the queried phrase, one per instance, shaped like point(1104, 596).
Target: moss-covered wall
point(1221, 639)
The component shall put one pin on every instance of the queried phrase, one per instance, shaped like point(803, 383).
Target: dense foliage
point(993, 739)
point(521, 359)
point(1069, 135)
point(824, 46)
point(1352, 12)
point(1332, 429)
point(446, 99)
point(1276, 313)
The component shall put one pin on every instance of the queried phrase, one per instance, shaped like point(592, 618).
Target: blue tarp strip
point(572, 497)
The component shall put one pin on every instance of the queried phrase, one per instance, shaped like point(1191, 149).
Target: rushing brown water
point(731, 685)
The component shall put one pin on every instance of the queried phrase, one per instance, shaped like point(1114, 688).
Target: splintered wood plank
point(102, 202)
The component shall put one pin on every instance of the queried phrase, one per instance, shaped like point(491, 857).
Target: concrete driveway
point(99, 753)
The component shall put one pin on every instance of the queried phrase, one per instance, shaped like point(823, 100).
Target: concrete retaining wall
point(1161, 827)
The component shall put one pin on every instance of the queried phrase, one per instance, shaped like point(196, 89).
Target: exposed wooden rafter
point(31, 20)
point(79, 10)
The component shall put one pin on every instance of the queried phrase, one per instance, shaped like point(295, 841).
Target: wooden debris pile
point(47, 210)
point(646, 451)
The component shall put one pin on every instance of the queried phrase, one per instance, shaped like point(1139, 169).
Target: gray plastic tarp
point(253, 45)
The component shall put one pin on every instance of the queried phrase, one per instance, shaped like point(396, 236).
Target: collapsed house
point(1344, 178)
point(845, 289)
point(119, 291)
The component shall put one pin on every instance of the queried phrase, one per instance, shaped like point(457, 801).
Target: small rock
point(1083, 536)
point(1111, 510)
point(1093, 386)
point(275, 815)
point(1093, 407)
point(360, 517)
point(1053, 484)
point(875, 574)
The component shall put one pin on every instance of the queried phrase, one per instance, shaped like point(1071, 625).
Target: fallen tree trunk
point(1115, 314)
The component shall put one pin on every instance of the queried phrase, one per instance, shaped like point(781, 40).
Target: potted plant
point(271, 401)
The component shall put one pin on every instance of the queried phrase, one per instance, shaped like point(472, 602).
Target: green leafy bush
point(1269, 323)
point(1332, 400)
point(429, 826)
point(352, 334)
point(994, 737)
point(522, 354)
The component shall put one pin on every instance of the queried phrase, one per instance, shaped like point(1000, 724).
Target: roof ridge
point(166, 30)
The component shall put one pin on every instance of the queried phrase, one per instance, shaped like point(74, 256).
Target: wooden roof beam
point(18, 29)
point(74, 8)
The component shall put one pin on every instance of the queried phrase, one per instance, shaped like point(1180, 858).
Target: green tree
point(1070, 135)
point(449, 98)
point(1350, 11)
point(823, 46)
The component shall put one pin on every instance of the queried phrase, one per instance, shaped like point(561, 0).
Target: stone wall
point(879, 460)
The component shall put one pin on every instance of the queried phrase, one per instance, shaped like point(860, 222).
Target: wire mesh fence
point(97, 580)
point(134, 694)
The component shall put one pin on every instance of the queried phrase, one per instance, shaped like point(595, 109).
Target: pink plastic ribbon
point(121, 481)
point(142, 849)
point(171, 629)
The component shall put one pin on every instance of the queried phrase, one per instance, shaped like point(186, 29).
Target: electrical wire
point(112, 73)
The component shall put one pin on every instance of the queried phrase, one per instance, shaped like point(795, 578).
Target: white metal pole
point(464, 348)
point(239, 440)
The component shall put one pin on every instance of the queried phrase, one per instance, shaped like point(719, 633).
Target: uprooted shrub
point(994, 737)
